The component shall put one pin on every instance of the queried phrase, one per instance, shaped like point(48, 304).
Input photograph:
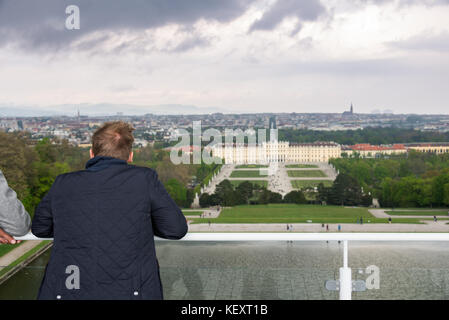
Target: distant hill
point(104, 109)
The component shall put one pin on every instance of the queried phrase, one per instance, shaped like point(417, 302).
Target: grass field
point(261, 183)
point(302, 184)
point(5, 248)
point(418, 213)
point(251, 166)
point(301, 166)
point(306, 173)
point(24, 257)
point(291, 213)
point(247, 174)
point(192, 213)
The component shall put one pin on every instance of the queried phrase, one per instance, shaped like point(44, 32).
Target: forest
point(411, 180)
point(31, 167)
point(367, 135)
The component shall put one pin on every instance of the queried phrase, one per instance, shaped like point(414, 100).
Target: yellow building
point(288, 152)
point(281, 151)
point(434, 147)
point(366, 150)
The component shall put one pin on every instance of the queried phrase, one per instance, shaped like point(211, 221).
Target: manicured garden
point(291, 213)
point(306, 173)
point(247, 174)
point(192, 213)
point(260, 183)
point(443, 212)
point(251, 166)
point(301, 166)
point(303, 184)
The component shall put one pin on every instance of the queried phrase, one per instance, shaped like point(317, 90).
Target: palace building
point(281, 151)
point(432, 147)
point(288, 152)
point(367, 150)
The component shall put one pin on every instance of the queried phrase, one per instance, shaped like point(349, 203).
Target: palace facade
point(288, 152)
point(280, 151)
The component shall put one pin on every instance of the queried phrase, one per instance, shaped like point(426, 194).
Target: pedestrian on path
point(339, 228)
point(435, 218)
point(327, 227)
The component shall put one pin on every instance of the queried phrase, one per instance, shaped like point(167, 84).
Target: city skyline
point(237, 56)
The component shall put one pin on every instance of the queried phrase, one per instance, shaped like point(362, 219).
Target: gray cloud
point(382, 67)
point(40, 24)
point(407, 2)
point(191, 43)
point(424, 42)
point(307, 10)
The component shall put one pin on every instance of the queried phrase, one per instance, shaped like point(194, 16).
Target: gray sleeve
point(14, 219)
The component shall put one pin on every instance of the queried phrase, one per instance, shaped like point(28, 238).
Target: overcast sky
point(233, 55)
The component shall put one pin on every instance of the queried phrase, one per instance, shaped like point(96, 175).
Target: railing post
point(345, 275)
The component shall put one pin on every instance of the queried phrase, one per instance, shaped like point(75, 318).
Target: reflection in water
point(279, 270)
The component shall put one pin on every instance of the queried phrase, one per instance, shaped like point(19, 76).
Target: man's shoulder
point(68, 175)
point(144, 170)
point(79, 174)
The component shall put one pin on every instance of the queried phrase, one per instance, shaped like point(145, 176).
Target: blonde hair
point(113, 139)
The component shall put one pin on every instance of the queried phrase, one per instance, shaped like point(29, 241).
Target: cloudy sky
point(229, 55)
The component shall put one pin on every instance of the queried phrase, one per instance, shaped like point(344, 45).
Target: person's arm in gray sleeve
point(14, 219)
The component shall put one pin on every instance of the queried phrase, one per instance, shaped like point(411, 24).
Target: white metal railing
point(292, 236)
point(345, 281)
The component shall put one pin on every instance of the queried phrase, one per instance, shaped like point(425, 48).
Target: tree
point(345, 191)
point(267, 196)
point(205, 200)
point(295, 196)
point(245, 189)
point(177, 191)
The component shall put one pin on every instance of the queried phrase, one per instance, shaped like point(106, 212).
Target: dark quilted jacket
point(103, 220)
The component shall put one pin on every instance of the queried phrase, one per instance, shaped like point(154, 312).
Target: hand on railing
point(5, 238)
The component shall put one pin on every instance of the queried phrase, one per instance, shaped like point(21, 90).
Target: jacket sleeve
point(168, 220)
point(14, 219)
point(42, 225)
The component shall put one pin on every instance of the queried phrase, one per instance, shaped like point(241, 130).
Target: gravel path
point(380, 213)
point(15, 254)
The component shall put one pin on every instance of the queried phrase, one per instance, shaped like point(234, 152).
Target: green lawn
point(302, 184)
point(24, 257)
point(247, 174)
point(251, 166)
point(192, 213)
point(306, 173)
point(291, 213)
point(418, 213)
point(5, 248)
point(302, 166)
point(261, 183)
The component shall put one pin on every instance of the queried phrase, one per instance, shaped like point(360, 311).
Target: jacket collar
point(100, 163)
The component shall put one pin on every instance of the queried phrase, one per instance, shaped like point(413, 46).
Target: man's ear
point(91, 153)
point(131, 156)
